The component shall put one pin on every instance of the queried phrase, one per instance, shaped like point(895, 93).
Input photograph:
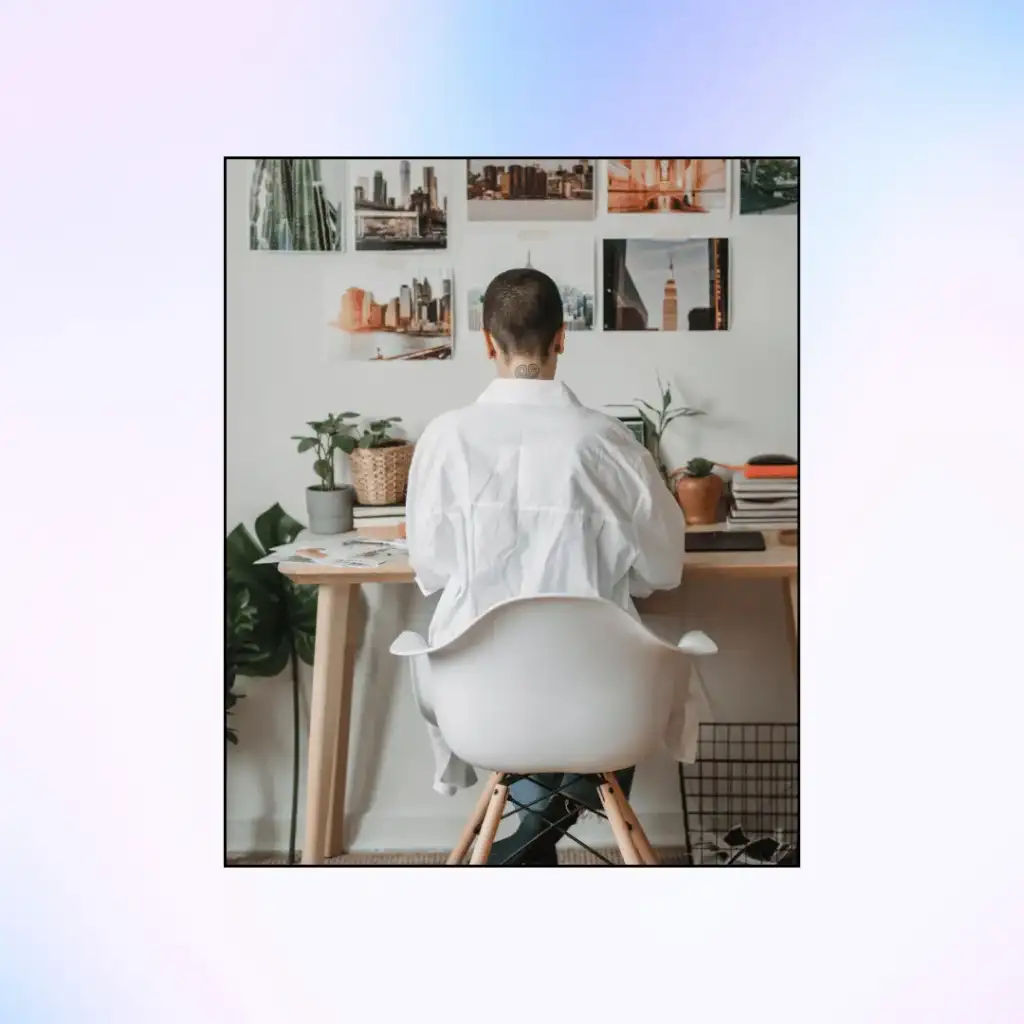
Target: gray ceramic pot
point(330, 511)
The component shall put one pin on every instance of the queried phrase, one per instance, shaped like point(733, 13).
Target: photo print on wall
point(661, 285)
point(667, 185)
point(393, 314)
point(295, 205)
point(527, 188)
point(400, 204)
point(769, 185)
point(569, 263)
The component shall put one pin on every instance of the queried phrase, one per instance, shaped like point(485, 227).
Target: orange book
point(766, 472)
point(777, 472)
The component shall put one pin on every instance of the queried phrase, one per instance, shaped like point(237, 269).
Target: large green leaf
point(241, 549)
point(275, 527)
point(301, 603)
point(258, 642)
point(257, 645)
point(267, 617)
point(276, 613)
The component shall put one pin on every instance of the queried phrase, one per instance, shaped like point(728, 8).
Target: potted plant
point(270, 624)
point(698, 491)
point(329, 504)
point(380, 464)
point(658, 421)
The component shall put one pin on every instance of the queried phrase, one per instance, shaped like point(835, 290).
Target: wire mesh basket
point(741, 797)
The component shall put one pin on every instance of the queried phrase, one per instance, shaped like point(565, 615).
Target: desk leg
point(790, 589)
point(329, 717)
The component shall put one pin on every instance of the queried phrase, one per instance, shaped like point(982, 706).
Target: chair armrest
point(697, 643)
point(408, 645)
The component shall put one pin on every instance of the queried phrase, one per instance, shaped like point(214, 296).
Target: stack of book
point(378, 515)
point(764, 498)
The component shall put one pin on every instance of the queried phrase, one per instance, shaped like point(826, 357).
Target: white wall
point(280, 374)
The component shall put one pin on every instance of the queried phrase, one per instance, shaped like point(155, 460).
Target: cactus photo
point(295, 205)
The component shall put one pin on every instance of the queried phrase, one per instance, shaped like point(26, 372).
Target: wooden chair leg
point(640, 841)
point(460, 849)
point(618, 823)
point(489, 829)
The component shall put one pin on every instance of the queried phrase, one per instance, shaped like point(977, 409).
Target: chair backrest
point(554, 684)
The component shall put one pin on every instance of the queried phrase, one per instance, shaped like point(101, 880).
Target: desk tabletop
point(778, 561)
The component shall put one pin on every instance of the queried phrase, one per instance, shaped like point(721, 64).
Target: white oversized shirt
point(527, 492)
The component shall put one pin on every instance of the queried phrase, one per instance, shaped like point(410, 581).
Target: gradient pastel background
point(114, 906)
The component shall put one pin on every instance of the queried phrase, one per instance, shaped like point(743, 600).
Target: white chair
point(552, 684)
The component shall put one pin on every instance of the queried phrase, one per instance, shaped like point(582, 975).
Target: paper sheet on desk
point(344, 552)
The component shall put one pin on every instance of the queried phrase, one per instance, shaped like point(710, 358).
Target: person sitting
point(527, 492)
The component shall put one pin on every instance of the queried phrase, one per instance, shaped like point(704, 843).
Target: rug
point(670, 857)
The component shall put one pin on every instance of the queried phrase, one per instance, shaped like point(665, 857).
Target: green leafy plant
point(270, 622)
point(239, 646)
point(658, 420)
point(331, 435)
point(378, 433)
point(698, 467)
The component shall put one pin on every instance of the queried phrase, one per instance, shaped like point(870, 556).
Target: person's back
point(528, 492)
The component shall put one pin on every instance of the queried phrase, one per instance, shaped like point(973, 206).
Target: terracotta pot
point(698, 497)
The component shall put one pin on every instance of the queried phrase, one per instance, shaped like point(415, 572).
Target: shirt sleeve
point(660, 535)
point(428, 531)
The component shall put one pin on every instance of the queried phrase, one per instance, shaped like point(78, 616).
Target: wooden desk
point(334, 663)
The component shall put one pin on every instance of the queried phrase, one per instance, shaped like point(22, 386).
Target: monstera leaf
point(270, 622)
point(278, 615)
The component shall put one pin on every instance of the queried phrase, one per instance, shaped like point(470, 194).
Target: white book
point(764, 517)
point(377, 511)
point(768, 484)
point(734, 524)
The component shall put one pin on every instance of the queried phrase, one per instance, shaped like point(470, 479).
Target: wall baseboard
point(419, 834)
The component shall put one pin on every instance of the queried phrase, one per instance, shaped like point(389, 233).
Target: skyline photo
point(769, 185)
point(295, 205)
point(655, 285)
point(569, 263)
point(394, 315)
point(400, 204)
point(667, 185)
point(530, 188)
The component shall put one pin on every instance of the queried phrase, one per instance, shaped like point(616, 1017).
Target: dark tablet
point(725, 540)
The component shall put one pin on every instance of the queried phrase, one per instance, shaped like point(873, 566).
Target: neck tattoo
point(528, 371)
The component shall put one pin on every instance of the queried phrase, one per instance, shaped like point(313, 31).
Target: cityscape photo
point(400, 204)
point(569, 264)
point(524, 188)
point(295, 205)
point(666, 185)
point(769, 185)
point(656, 285)
point(393, 317)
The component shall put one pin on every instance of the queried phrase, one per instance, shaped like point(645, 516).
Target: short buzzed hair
point(523, 312)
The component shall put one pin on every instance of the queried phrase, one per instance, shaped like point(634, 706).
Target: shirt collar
point(528, 392)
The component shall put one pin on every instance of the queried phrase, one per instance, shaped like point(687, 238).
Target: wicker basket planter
point(381, 475)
